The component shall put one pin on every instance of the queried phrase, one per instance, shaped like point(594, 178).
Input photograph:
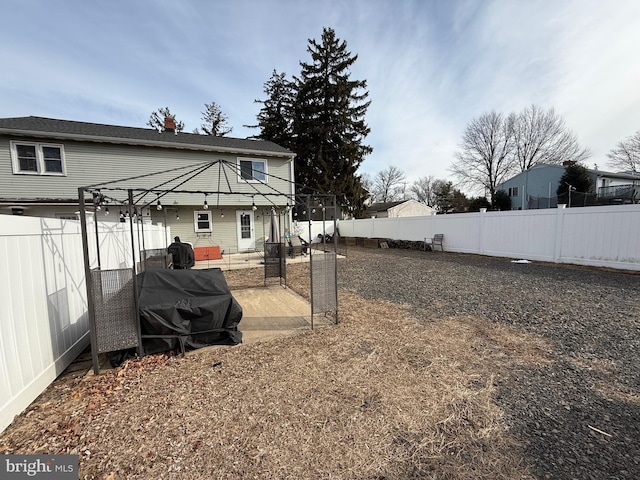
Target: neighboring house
point(44, 161)
point(404, 208)
point(537, 186)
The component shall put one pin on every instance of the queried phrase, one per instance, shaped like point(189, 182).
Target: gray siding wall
point(224, 229)
point(91, 163)
point(534, 182)
point(224, 233)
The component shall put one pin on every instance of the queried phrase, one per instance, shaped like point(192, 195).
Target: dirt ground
point(401, 388)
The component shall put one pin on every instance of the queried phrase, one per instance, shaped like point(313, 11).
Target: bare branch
point(214, 122)
point(157, 117)
point(422, 190)
point(626, 155)
point(485, 157)
point(541, 136)
point(388, 184)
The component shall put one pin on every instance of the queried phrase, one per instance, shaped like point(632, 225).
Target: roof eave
point(144, 143)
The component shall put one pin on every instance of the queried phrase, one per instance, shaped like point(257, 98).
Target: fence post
point(483, 212)
point(557, 252)
point(433, 224)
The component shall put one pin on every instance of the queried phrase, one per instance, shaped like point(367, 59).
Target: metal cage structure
point(112, 295)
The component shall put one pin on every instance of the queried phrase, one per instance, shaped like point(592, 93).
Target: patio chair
point(297, 246)
point(435, 241)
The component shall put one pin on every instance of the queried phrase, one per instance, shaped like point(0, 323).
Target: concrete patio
point(234, 261)
point(268, 312)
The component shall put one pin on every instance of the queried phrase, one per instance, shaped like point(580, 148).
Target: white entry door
point(246, 231)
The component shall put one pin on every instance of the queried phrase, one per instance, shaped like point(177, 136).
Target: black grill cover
point(187, 305)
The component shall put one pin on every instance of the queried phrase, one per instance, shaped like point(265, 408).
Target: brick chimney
point(169, 124)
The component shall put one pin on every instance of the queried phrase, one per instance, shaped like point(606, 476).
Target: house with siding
point(403, 208)
point(537, 187)
point(209, 190)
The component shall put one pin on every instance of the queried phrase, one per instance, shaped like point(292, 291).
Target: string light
point(206, 205)
point(159, 205)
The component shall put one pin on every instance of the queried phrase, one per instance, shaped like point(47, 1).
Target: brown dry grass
point(378, 396)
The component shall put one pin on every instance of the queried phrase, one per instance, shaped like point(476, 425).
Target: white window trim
point(248, 159)
point(39, 159)
point(195, 221)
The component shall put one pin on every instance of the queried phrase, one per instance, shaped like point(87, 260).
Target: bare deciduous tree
point(367, 183)
point(422, 190)
point(485, 158)
point(541, 136)
point(388, 184)
point(157, 117)
point(626, 155)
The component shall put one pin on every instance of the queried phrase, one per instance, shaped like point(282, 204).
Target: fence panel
point(602, 236)
point(607, 236)
point(43, 307)
point(514, 234)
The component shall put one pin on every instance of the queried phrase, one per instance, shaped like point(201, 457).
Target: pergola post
point(88, 282)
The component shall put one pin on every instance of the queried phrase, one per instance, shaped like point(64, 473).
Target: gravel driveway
point(578, 417)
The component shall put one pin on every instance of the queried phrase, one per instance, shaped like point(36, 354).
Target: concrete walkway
point(273, 311)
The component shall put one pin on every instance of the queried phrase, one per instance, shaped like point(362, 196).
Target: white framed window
point(513, 191)
point(31, 158)
point(202, 221)
point(252, 170)
point(66, 216)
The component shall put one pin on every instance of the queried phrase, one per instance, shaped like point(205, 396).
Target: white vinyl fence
point(318, 228)
point(43, 299)
point(605, 236)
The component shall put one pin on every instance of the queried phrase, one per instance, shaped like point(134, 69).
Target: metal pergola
point(298, 208)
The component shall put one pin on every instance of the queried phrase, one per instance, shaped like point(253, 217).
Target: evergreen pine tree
point(577, 178)
point(328, 127)
point(214, 122)
point(576, 186)
point(275, 116)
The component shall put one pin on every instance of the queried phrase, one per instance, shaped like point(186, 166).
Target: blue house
point(537, 186)
point(539, 181)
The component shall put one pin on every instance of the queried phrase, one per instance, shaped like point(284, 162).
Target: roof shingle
point(84, 131)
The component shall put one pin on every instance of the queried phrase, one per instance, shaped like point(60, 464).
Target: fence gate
point(275, 262)
point(324, 283)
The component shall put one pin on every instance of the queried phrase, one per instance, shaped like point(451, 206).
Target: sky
point(431, 67)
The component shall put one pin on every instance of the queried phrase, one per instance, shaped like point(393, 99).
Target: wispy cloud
point(431, 67)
